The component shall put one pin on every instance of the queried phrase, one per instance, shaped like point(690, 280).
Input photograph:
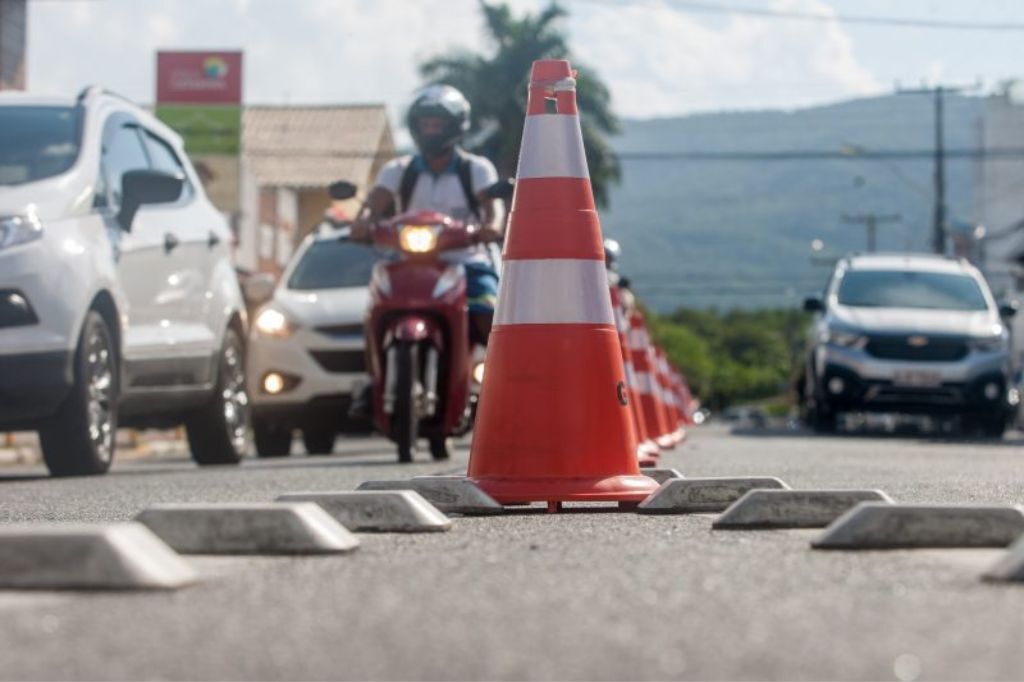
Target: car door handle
point(171, 242)
point(212, 240)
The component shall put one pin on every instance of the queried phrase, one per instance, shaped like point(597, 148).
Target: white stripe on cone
point(552, 147)
point(554, 291)
point(644, 383)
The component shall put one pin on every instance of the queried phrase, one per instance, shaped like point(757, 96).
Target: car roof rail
point(90, 91)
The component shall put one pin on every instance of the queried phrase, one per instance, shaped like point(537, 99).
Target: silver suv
point(912, 334)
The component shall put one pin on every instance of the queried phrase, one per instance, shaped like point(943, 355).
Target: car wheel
point(986, 425)
point(272, 440)
point(218, 433)
point(319, 440)
point(79, 439)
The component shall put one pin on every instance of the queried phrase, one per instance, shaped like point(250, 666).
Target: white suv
point(119, 305)
point(306, 347)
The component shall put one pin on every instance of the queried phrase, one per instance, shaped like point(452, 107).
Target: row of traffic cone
point(575, 397)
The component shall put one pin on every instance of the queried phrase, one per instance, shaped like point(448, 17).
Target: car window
point(123, 152)
point(163, 158)
point(332, 264)
point(37, 142)
point(908, 289)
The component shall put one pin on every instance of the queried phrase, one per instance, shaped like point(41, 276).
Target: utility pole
point(872, 221)
point(939, 92)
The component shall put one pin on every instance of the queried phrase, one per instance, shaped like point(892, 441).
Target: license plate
point(917, 378)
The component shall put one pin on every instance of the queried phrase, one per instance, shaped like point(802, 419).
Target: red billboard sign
point(199, 77)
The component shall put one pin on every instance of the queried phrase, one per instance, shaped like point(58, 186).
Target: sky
point(658, 58)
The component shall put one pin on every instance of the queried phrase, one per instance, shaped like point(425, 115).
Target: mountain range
point(737, 232)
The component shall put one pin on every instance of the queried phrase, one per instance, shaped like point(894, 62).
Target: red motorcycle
point(425, 375)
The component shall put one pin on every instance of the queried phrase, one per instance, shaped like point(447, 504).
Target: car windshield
point(333, 264)
point(37, 142)
point(907, 289)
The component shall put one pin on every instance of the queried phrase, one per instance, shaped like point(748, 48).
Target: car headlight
point(844, 338)
point(418, 238)
point(478, 373)
point(987, 344)
point(272, 322)
point(19, 229)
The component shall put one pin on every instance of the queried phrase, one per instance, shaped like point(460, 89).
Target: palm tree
point(496, 87)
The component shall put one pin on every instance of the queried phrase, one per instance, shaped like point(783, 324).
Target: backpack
point(462, 169)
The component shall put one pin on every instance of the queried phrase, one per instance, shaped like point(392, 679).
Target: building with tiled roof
point(290, 154)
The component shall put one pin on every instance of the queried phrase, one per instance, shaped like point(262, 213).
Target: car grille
point(938, 349)
point(354, 329)
point(340, 361)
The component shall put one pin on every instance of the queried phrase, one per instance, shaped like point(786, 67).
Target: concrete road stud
point(1009, 568)
point(793, 508)
point(264, 528)
point(702, 495)
point(874, 525)
point(123, 556)
point(449, 494)
point(661, 475)
point(388, 511)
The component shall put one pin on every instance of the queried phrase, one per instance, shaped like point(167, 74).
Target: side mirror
point(145, 186)
point(502, 189)
point(1008, 308)
point(341, 190)
point(813, 304)
point(259, 288)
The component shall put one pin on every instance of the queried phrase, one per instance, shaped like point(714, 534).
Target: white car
point(307, 357)
point(119, 305)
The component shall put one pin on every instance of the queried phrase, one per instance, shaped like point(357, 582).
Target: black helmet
point(438, 101)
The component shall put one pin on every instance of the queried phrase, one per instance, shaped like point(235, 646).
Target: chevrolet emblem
point(917, 341)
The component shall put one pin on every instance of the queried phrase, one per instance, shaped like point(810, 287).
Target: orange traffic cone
point(554, 422)
point(647, 450)
point(672, 419)
point(647, 383)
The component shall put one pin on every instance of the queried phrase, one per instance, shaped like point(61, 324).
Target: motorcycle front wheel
point(404, 420)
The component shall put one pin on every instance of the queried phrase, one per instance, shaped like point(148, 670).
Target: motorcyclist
point(443, 177)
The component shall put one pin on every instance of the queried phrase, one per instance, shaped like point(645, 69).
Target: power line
point(695, 6)
point(821, 155)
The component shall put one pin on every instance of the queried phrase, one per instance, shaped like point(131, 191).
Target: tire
point(319, 440)
point(404, 421)
point(218, 433)
point(820, 420)
point(985, 425)
point(439, 448)
point(79, 440)
point(271, 440)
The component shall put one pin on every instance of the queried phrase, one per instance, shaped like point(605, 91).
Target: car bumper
point(851, 379)
point(33, 386)
point(314, 370)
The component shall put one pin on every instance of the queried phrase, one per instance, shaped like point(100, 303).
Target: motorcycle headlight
point(272, 322)
point(845, 338)
point(418, 238)
point(19, 229)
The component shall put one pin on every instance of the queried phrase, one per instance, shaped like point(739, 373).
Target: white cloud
point(661, 61)
point(657, 60)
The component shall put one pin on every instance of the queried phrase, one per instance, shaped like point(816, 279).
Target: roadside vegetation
point(734, 357)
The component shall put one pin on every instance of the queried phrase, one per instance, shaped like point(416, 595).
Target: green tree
point(496, 84)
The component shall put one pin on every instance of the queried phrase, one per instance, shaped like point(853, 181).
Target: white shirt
point(442, 193)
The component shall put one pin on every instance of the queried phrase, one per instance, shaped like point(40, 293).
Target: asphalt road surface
point(580, 595)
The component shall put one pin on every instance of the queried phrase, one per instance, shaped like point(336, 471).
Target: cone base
point(604, 489)
point(666, 442)
point(647, 461)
